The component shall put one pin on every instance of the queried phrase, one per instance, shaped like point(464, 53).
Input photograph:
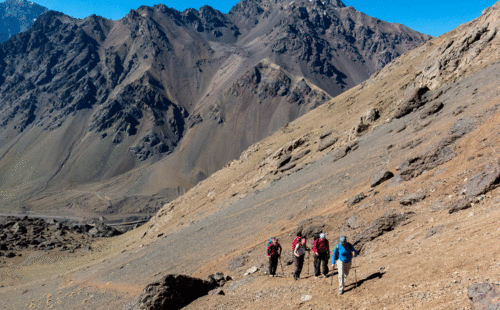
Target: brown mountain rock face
point(176, 95)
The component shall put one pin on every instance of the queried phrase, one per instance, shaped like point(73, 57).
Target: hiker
point(296, 240)
point(298, 257)
point(321, 249)
point(343, 256)
point(274, 253)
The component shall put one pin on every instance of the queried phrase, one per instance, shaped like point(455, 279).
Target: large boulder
point(482, 182)
point(380, 177)
point(380, 226)
point(412, 101)
point(171, 292)
point(484, 296)
point(370, 116)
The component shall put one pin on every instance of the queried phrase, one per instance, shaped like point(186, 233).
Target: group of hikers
point(342, 256)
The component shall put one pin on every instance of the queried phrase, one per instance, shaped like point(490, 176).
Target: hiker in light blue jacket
point(343, 256)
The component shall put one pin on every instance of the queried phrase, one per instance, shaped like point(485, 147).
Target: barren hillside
point(427, 234)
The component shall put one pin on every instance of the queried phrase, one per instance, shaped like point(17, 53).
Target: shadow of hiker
point(376, 275)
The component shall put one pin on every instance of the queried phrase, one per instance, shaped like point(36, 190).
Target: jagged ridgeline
point(160, 99)
point(17, 16)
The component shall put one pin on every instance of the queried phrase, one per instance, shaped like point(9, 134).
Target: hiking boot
point(341, 292)
point(324, 276)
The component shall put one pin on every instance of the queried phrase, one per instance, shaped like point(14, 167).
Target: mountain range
point(111, 117)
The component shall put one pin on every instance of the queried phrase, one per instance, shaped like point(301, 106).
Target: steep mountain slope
point(159, 100)
point(17, 16)
point(425, 235)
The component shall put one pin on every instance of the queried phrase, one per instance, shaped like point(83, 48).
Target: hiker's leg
point(300, 265)
point(275, 264)
point(324, 260)
point(296, 264)
point(316, 263)
point(347, 268)
point(340, 269)
point(270, 265)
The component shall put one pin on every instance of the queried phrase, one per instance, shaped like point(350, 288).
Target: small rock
point(460, 205)
point(433, 231)
point(326, 134)
point(283, 161)
point(252, 270)
point(305, 298)
point(287, 167)
point(217, 291)
point(326, 143)
point(381, 177)
point(408, 200)
point(356, 199)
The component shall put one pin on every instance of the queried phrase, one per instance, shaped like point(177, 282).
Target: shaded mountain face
point(175, 95)
point(17, 16)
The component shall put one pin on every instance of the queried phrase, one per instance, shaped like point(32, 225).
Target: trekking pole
point(281, 264)
point(308, 254)
point(356, 277)
point(331, 281)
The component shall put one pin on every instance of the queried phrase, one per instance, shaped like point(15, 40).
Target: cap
point(343, 239)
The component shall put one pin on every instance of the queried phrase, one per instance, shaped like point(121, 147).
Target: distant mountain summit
point(179, 94)
point(17, 16)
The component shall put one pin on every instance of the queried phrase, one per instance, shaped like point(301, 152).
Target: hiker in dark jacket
point(343, 256)
point(321, 249)
point(274, 253)
point(298, 257)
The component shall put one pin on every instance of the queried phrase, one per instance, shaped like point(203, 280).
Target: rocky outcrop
point(381, 177)
point(326, 143)
point(17, 234)
point(412, 101)
point(482, 182)
point(171, 292)
point(380, 226)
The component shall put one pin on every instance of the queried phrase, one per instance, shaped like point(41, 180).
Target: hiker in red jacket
point(296, 240)
point(321, 249)
point(274, 253)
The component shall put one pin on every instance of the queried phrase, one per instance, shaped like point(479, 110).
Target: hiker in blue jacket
point(343, 256)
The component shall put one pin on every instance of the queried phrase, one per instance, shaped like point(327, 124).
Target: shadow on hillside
point(352, 286)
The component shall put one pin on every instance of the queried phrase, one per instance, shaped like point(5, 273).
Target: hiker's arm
point(355, 252)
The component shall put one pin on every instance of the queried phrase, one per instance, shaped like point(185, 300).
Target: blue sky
point(430, 17)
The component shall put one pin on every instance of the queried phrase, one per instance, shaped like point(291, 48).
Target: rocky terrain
point(406, 165)
point(102, 117)
point(17, 16)
point(18, 235)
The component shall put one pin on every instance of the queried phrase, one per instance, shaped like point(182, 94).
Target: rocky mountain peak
point(17, 16)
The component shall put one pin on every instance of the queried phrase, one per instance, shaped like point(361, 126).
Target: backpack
point(269, 243)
